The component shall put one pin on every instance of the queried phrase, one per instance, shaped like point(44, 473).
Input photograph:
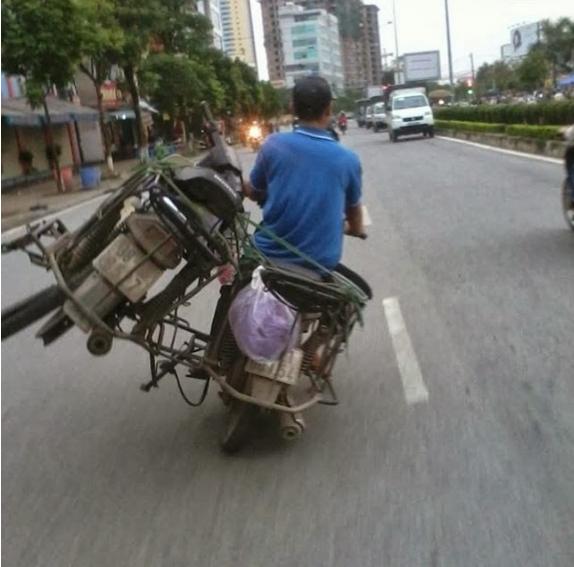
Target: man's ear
point(328, 111)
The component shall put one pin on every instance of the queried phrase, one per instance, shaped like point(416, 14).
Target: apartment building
point(310, 45)
point(237, 27)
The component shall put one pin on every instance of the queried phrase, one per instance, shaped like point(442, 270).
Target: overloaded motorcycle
point(178, 226)
point(568, 185)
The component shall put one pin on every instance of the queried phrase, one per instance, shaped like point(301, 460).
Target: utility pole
point(399, 74)
point(450, 77)
point(472, 67)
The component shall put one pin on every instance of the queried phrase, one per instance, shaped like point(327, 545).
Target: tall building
point(359, 38)
point(211, 9)
point(238, 36)
point(273, 40)
point(310, 45)
point(371, 44)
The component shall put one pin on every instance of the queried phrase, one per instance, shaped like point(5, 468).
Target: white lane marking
point(14, 231)
point(411, 376)
point(502, 150)
point(366, 216)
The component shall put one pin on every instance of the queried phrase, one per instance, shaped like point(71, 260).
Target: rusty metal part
point(315, 399)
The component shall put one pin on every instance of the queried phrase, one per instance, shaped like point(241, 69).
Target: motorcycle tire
point(568, 204)
point(29, 310)
point(238, 428)
point(241, 414)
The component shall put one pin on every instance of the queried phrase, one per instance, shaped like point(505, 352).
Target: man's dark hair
point(311, 97)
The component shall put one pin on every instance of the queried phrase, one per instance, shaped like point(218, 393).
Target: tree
point(557, 45)
point(533, 70)
point(177, 85)
point(346, 101)
point(498, 76)
point(139, 21)
point(183, 31)
point(42, 41)
point(102, 43)
point(270, 100)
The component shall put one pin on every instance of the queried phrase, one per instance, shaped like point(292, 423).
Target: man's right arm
point(353, 208)
point(354, 221)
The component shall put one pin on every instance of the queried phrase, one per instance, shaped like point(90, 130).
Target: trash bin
point(91, 176)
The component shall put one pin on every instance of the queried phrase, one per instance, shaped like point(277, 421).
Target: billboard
point(421, 66)
point(522, 38)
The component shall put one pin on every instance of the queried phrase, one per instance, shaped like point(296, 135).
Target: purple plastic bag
point(263, 326)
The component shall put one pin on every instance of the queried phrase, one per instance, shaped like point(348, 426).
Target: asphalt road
point(479, 474)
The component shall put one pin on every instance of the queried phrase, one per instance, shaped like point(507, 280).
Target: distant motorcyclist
point(342, 122)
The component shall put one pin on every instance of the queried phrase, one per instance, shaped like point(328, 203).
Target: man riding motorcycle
point(309, 186)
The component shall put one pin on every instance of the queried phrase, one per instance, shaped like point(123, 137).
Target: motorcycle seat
point(304, 289)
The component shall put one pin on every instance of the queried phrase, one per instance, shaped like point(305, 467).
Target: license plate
point(285, 370)
point(123, 264)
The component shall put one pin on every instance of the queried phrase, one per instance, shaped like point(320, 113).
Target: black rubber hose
point(29, 310)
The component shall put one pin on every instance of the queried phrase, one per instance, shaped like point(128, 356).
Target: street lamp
point(448, 44)
point(395, 29)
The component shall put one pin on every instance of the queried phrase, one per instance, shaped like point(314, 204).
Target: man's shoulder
point(348, 156)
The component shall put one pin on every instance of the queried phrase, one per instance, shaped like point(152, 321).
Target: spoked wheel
point(568, 204)
point(241, 414)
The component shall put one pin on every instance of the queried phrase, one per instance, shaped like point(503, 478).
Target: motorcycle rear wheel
point(238, 429)
point(568, 205)
point(241, 414)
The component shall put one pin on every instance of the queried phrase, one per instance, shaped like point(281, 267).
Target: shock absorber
point(311, 346)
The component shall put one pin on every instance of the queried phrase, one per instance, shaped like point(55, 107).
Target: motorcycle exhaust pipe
point(291, 426)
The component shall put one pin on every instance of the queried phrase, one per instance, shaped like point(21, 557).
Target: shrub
point(538, 132)
point(471, 126)
point(540, 114)
point(520, 130)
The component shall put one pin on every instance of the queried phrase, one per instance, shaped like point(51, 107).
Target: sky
point(477, 26)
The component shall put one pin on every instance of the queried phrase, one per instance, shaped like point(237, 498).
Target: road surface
point(453, 445)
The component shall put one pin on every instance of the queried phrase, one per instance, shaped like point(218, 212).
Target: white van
point(409, 112)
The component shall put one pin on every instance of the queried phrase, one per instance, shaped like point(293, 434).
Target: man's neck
point(319, 124)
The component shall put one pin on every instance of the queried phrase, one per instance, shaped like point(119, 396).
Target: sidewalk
point(23, 205)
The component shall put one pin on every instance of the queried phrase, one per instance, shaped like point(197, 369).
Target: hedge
point(520, 130)
point(539, 114)
point(539, 132)
point(471, 126)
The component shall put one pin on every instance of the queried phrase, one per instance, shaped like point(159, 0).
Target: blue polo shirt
point(307, 181)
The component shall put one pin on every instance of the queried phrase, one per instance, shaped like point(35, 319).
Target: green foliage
point(173, 83)
point(180, 30)
point(471, 126)
point(538, 132)
point(42, 41)
point(270, 100)
point(533, 70)
point(139, 21)
point(102, 38)
point(557, 44)
point(548, 113)
point(520, 130)
point(498, 76)
point(346, 101)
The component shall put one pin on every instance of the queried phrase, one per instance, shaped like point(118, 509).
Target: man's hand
point(354, 221)
point(248, 190)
